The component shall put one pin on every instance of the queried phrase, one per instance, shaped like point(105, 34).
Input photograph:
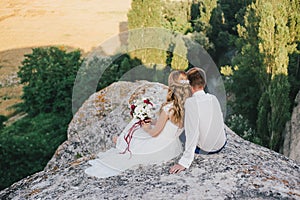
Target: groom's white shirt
point(204, 126)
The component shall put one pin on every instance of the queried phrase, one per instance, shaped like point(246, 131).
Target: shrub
point(48, 75)
point(242, 127)
point(27, 145)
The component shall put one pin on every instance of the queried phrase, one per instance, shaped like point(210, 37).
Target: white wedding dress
point(144, 148)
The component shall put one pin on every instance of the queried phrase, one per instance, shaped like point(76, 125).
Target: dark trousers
point(200, 151)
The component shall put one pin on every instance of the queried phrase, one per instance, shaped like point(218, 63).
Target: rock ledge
point(241, 171)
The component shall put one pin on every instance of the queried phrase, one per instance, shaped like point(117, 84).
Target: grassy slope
point(10, 92)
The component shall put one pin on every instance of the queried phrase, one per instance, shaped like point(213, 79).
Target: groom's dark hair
point(197, 77)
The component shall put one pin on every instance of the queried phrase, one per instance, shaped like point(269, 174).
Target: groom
point(204, 126)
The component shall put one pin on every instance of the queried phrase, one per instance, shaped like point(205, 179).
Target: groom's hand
point(176, 169)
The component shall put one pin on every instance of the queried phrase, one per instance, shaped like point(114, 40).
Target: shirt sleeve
point(191, 123)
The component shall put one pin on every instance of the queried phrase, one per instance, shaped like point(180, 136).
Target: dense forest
point(255, 45)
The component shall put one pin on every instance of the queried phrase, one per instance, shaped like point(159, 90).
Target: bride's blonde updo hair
point(179, 90)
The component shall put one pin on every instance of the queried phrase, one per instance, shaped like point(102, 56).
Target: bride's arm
point(153, 121)
point(160, 124)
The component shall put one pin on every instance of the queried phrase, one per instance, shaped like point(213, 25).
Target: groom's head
point(197, 78)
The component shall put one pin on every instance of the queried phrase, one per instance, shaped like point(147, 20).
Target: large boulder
point(242, 170)
point(101, 117)
point(291, 147)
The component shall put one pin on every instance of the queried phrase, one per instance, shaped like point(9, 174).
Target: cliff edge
point(242, 170)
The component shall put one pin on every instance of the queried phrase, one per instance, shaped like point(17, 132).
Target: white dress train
point(144, 148)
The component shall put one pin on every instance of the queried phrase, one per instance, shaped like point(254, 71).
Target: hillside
point(72, 24)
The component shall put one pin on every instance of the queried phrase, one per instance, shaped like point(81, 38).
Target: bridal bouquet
point(142, 110)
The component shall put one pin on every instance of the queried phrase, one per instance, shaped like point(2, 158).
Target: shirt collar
point(199, 93)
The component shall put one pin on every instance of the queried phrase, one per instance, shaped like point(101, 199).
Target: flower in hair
point(184, 81)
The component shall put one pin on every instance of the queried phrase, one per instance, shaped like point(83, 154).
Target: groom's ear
point(193, 89)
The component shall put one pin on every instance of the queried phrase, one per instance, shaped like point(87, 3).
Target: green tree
point(27, 145)
point(176, 16)
point(232, 14)
point(294, 74)
point(144, 14)
point(294, 59)
point(201, 13)
point(264, 46)
point(245, 83)
point(275, 44)
point(263, 119)
point(48, 75)
point(170, 15)
point(117, 69)
point(279, 100)
point(223, 22)
point(206, 8)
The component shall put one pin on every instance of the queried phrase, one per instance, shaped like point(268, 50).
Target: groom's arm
point(191, 125)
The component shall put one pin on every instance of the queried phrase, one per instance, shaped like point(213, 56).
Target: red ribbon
point(128, 137)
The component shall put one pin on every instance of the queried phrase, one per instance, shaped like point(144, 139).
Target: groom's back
point(210, 120)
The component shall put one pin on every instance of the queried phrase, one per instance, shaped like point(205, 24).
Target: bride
point(151, 143)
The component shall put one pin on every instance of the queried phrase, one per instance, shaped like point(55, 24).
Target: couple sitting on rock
point(188, 108)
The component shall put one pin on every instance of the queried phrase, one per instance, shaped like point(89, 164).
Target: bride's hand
point(146, 125)
point(147, 121)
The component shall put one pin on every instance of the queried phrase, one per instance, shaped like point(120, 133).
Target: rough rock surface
point(241, 171)
point(291, 147)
